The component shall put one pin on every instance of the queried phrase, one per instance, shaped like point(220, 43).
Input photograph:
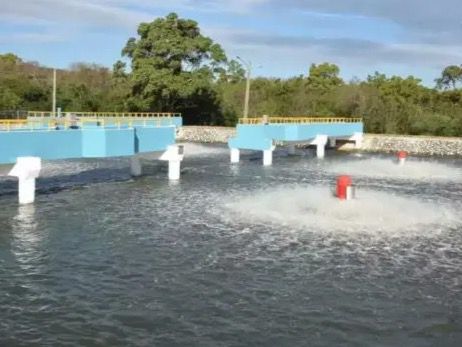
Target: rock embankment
point(205, 134)
point(420, 145)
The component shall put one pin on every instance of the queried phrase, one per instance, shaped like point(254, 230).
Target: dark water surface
point(233, 255)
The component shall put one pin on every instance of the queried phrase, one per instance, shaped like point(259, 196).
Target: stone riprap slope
point(421, 145)
point(205, 134)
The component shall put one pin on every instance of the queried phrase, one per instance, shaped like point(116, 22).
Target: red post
point(402, 155)
point(343, 182)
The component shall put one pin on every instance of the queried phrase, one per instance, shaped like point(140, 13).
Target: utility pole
point(247, 94)
point(53, 111)
point(248, 66)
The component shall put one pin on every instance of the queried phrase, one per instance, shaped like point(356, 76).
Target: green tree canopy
point(450, 76)
point(324, 77)
point(173, 66)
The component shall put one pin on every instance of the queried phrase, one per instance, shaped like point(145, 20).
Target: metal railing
point(51, 123)
point(28, 125)
point(298, 120)
point(122, 122)
point(40, 114)
point(11, 124)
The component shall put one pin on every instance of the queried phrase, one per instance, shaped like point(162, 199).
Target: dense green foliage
point(173, 67)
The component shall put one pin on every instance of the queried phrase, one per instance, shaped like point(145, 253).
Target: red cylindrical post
point(402, 155)
point(343, 183)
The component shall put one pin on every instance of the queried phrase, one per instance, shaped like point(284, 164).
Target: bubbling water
point(198, 150)
point(386, 168)
point(316, 208)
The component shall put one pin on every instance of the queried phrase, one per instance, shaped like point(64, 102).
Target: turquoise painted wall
point(120, 142)
point(153, 139)
point(261, 137)
point(92, 142)
point(47, 144)
point(251, 137)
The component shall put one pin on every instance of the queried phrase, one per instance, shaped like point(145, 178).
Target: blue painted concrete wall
point(97, 143)
point(252, 137)
point(120, 142)
point(261, 137)
point(56, 144)
point(93, 143)
point(84, 143)
point(153, 139)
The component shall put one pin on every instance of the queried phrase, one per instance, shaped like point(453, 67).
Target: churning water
point(234, 255)
point(414, 169)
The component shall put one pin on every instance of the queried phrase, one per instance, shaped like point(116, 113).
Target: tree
point(120, 90)
point(234, 72)
point(10, 59)
point(398, 102)
point(8, 99)
point(449, 77)
point(324, 77)
point(174, 67)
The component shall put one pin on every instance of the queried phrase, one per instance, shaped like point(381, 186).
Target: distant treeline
point(173, 67)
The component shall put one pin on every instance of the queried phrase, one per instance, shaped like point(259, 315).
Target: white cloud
point(31, 38)
point(102, 13)
point(430, 32)
point(424, 20)
point(357, 50)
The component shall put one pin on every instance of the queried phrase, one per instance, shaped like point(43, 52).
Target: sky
point(281, 38)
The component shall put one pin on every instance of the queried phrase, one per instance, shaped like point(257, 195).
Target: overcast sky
point(402, 37)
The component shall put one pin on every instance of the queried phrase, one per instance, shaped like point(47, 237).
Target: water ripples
point(231, 255)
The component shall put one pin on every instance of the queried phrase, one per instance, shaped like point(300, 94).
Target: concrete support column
point(235, 155)
point(320, 141)
point(26, 169)
point(332, 142)
point(174, 168)
point(174, 155)
point(268, 157)
point(358, 138)
point(26, 191)
point(136, 168)
point(320, 150)
point(291, 149)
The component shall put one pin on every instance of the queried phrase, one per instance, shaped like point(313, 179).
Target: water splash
point(198, 150)
point(387, 168)
point(316, 208)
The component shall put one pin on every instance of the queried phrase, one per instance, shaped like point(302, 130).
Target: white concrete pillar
point(358, 139)
point(26, 169)
point(174, 155)
point(320, 150)
point(320, 141)
point(291, 149)
point(26, 190)
point(235, 155)
point(332, 142)
point(268, 157)
point(136, 168)
point(174, 168)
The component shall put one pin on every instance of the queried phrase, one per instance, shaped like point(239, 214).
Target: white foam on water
point(388, 168)
point(198, 150)
point(316, 209)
